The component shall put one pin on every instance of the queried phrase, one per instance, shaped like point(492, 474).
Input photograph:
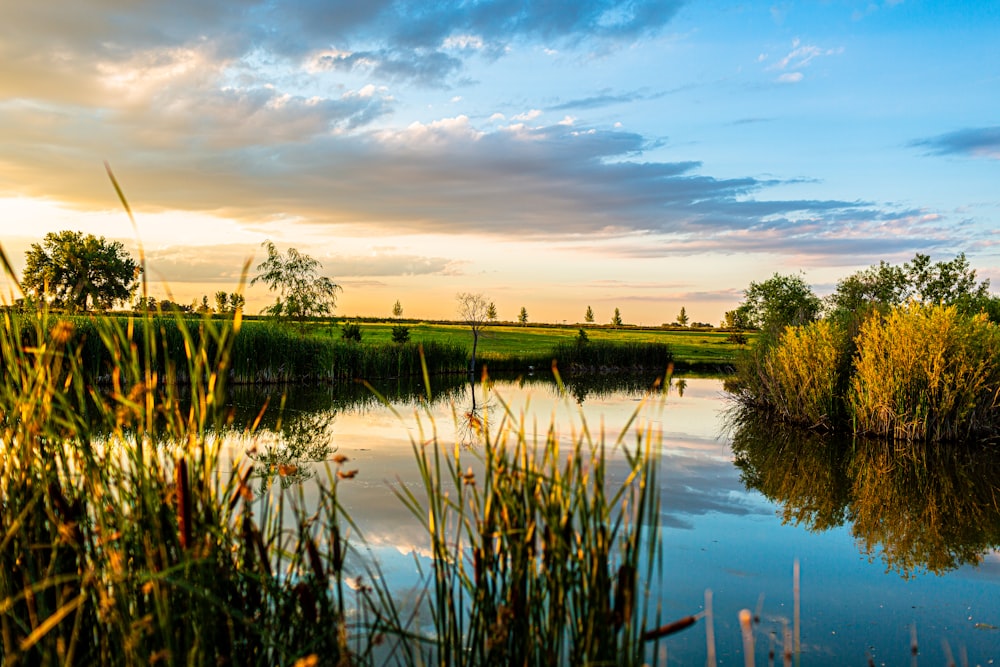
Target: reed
point(537, 559)
point(917, 373)
point(926, 373)
point(122, 541)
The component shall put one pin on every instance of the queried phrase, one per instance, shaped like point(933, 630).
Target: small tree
point(397, 309)
point(221, 302)
point(522, 318)
point(76, 271)
point(589, 315)
point(617, 319)
point(491, 312)
point(302, 292)
point(475, 311)
point(351, 331)
point(682, 317)
point(400, 334)
point(236, 302)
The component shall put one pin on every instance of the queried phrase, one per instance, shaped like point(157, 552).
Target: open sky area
point(645, 155)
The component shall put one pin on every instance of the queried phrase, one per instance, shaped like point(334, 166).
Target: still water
point(885, 544)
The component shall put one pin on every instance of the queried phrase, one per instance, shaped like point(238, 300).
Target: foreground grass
point(124, 539)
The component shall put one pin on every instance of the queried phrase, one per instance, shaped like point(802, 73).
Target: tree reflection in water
point(931, 509)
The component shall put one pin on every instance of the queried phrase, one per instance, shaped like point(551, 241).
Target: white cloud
point(802, 55)
point(528, 115)
point(463, 42)
point(790, 77)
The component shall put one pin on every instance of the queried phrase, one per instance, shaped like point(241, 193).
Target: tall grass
point(537, 559)
point(595, 356)
point(917, 373)
point(801, 375)
point(122, 541)
point(927, 373)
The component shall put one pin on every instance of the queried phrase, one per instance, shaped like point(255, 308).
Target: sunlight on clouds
point(528, 115)
point(463, 42)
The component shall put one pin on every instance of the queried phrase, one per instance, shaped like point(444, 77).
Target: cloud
point(972, 142)
point(790, 77)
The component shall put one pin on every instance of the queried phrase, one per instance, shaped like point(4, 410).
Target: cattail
point(315, 562)
point(183, 502)
point(669, 628)
point(746, 625)
point(624, 591)
point(338, 557)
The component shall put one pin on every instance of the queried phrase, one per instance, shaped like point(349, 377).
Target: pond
point(886, 546)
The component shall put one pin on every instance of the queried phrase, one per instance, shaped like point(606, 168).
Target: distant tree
point(589, 315)
point(145, 304)
point(221, 302)
point(581, 337)
point(236, 302)
point(302, 292)
point(351, 331)
point(168, 306)
point(616, 320)
point(736, 319)
point(491, 312)
point(76, 271)
point(475, 311)
point(778, 302)
point(202, 308)
point(397, 309)
point(400, 333)
point(682, 317)
point(523, 316)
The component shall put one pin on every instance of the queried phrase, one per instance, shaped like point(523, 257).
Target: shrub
point(351, 331)
point(926, 373)
point(400, 333)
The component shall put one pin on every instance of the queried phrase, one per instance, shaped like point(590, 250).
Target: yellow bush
point(801, 373)
point(926, 373)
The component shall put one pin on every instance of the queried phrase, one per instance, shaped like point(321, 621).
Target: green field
point(692, 347)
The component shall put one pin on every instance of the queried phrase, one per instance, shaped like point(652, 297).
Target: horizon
point(645, 156)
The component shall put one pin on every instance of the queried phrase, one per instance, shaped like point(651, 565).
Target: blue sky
point(552, 155)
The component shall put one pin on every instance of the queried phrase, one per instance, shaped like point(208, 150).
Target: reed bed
point(595, 356)
point(537, 559)
point(260, 353)
point(917, 373)
point(927, 374)
point(121, 539)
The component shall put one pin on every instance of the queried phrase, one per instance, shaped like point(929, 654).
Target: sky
point(645, 155)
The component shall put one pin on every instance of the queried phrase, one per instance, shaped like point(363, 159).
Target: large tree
point(778, 302)
point(302, 292)
point(883, 286)
point(76, 271)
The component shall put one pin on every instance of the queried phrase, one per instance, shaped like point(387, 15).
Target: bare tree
point(474, 310)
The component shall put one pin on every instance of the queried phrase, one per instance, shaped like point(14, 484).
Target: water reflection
point(933, 509)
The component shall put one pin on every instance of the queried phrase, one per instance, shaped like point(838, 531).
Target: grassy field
point(694, 347)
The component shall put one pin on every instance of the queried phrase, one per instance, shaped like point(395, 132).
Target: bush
point(351, 331)
point(926, 373)
point(400, 334)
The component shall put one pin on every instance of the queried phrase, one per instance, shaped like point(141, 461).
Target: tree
point(491, 312)
point(589, 315)
point(778, 302)
point(616, 320)
point(682, 317)
point(236, 302)
point(351, 331)
point(76, 271)
point(475, 311)
point(523, 317)
point(883, 286)
point(221, 302)
point(302, 292)
point(397, 309)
